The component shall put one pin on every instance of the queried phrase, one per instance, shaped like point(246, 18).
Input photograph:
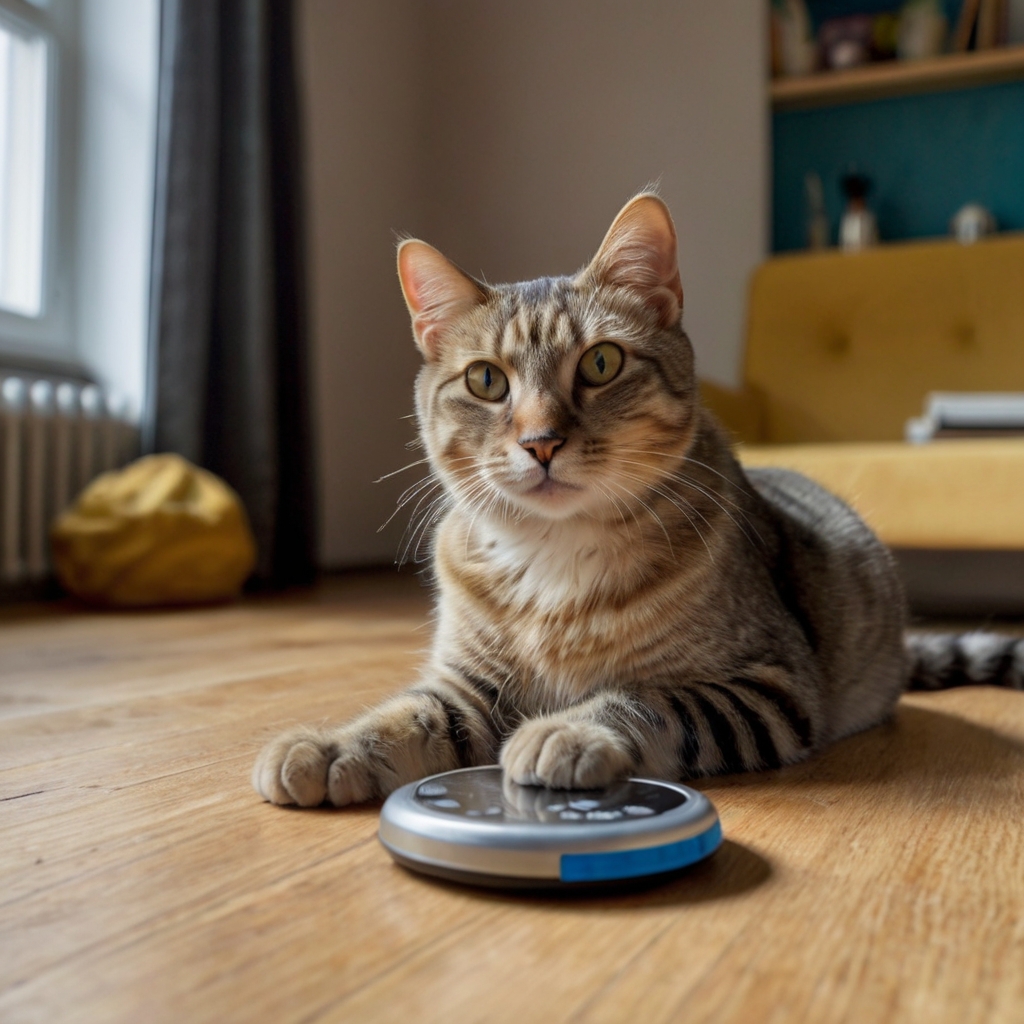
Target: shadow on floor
point(731, 871)
point(919, 750)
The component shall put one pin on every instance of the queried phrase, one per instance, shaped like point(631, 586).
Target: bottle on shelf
point(858, 229)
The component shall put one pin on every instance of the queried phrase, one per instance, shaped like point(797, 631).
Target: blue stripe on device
point(651, 860)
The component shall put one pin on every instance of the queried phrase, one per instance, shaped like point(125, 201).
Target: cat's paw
point(565, 755)
point(307, 767)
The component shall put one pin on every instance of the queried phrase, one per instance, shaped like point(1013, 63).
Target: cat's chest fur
point(560, 606)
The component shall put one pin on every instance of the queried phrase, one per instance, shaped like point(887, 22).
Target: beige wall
point(363, 129)
point(547, 116)
point(509, 133)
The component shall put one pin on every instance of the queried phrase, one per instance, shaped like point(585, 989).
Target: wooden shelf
point(898, 78)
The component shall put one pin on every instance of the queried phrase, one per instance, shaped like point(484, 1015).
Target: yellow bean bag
point(160, 531)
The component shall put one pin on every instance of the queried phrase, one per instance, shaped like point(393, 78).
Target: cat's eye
point(601, 364)
point(486, 381)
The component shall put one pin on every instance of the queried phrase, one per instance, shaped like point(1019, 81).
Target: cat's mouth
point(549, 497)
point(549, 485)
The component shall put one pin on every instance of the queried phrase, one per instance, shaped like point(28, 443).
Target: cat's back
point(843, 585)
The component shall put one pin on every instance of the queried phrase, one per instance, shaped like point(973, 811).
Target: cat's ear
point(435, 291)
point(639, 253)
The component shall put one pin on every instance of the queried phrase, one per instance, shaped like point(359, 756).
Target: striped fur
point(942, 661)
point(615, 594)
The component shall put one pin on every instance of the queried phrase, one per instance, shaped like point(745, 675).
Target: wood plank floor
point(143, 880)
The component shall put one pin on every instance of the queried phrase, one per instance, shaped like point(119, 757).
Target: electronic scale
point(473, 825)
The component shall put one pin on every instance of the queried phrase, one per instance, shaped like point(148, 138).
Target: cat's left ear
point(639, 253)
point(435, 291)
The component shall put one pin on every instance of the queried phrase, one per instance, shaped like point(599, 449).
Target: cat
point(615, 595)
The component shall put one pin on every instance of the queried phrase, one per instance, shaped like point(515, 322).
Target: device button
point(432, 789)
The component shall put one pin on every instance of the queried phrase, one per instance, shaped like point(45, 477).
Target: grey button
point(603, 815)
point(637, 811)
point(570, 815)
point(584, 805)
point(446, 803)
point(432, 789)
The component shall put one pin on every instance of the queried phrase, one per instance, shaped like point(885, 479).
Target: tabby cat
point(616, 595)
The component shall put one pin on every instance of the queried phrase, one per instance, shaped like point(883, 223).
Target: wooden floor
point(143, 880)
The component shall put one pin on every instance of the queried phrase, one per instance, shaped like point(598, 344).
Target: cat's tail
point(939, 661)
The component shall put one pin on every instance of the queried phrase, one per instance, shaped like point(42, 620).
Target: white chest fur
point(545, 600)
point(549, 567)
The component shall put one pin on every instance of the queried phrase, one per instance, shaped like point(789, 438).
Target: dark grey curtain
point(229, 374)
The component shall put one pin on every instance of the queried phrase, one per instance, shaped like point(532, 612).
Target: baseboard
point(961, 582)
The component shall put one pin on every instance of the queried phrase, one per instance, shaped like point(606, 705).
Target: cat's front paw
point(565, 755)
point(307, 767)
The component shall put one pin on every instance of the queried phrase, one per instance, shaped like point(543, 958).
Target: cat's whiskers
point(714, 496)
point(711, 494)
point(413, 489)
point(395, 472)
point(655, 486)
point(431, 479)
point(675, 499)
point(425, 532)
point(689, 480)
point(650, 511)
point(454, 490)
point(418, 521)
point(614, 501)
point(437, 510)
point(426, 483)
point(495, 495)
point(682, 510)
point(632, 512)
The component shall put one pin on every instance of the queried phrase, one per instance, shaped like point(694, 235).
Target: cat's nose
point(543, 446)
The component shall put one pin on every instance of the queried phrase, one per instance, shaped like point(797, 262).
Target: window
point(24, 53)
point(38, 121)
point(78, 84)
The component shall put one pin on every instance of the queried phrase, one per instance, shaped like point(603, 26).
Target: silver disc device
point(474, 826)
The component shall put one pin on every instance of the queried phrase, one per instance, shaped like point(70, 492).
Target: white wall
point(509, 133)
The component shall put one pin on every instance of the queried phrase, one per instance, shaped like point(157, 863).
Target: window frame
point(47, 340)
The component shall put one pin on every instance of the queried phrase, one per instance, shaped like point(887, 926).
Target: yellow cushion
point(948, 494)
point(740, 410)
point(844, 346)
point(160, 531)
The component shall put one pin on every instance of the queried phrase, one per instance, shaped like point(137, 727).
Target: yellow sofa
point(842, 349)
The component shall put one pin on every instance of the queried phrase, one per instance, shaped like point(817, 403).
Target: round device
point(475, 826)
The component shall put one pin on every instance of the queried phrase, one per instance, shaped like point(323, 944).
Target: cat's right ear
point(435, 291)
point(639, 253)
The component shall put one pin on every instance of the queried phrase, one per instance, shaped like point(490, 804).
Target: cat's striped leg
point(668, 730)
point(745, 723)
point(435, 726)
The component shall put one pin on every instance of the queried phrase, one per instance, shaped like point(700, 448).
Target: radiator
point(55, 436)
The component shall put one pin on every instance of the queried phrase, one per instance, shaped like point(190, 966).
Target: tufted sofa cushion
point(845, 346)
point(842, 349)
point(957, 495)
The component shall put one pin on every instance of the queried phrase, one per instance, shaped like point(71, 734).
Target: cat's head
point(562, 396)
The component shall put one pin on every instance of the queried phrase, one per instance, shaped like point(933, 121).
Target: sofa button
point(839, 344)
point(965, 336)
